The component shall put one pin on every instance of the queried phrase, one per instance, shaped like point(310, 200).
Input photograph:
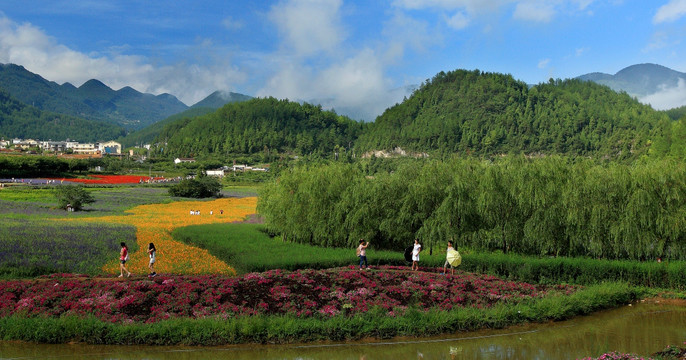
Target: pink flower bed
point(321, 293)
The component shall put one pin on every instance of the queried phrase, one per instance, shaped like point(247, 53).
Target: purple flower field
point(32, 247)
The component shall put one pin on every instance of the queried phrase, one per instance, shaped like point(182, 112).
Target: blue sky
point(355, 55)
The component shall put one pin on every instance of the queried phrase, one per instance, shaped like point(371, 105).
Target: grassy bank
point(249, 248)
point(288, 328)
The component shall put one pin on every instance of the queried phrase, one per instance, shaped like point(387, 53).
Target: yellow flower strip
point(154, 223)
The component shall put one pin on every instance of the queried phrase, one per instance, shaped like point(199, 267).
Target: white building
point(110, 147)
point(84, 148)
point(215, 172)
point(183, 160)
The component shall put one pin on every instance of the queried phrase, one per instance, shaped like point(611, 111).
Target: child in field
point(415, 254)
point(123, 258)
point(362, 253)
point(152, 252)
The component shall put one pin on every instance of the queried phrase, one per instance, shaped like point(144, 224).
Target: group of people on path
point(124, 257)
point(416, 249)
point(361, 253)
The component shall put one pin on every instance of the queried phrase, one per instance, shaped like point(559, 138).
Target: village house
point(24, 144)
point(53, 146)
point(183, 160)
point(215, 172)
point(79, 148)
point(110, 148)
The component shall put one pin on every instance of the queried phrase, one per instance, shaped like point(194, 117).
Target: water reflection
point(642, 329)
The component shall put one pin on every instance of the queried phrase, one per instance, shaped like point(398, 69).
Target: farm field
point(223, 280)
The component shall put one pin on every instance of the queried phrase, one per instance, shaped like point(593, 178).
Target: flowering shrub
point(304, 293)
point(618, 356)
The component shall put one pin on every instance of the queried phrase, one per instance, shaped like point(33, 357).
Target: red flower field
point(112, 179)
point(321, 293)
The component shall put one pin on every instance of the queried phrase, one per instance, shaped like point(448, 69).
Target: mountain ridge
point(651, 83)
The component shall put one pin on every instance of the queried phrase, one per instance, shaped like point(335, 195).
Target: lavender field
point(36, 242)
point(31, 248)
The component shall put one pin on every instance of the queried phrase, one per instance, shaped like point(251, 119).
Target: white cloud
point(525, 10)
point(672, 11)
point(543, 63)
point(472, 6)
point(309, 26)
point(315, 64)
point(583, 4)
point(581, 51)
point(459, 21)
point(30, 47)
point(537, 11)
point(667, 97)
point(402, 32)
point(355, 85)
point(232, 24)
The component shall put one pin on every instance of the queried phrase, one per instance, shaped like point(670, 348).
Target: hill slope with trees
point(23, 121)
point(472, 112)
point(262, 125)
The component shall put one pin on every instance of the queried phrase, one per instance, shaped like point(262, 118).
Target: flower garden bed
point(304, 293)
point(111, 179)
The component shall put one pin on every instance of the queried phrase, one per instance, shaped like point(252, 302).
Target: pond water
point(643, 328)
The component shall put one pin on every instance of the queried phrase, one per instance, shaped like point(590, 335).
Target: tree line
point(551, 206)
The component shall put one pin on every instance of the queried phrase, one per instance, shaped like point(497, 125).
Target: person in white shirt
point(415, 254)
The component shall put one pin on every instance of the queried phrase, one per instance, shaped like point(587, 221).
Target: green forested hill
point(207, 105)
point(486, 114)
point(677, 113)
point(20, 120)
point(261, 125)
point(148, 134)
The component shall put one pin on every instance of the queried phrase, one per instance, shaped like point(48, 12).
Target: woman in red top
point(123, 258)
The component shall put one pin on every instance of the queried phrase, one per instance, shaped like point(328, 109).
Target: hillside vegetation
point(20, 120)
point(471, 112)
point(264, 125)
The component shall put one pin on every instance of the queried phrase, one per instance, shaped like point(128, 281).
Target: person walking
point(123, 258)
point(362, 253)
point(152, 252)
point(415, 254)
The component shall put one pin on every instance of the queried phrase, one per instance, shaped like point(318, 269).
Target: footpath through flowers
point(154, 223)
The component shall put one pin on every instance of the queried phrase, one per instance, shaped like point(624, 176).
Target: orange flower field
point(154, 223)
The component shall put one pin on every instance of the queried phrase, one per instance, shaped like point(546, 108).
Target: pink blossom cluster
point(322, 293)
point(617, 356)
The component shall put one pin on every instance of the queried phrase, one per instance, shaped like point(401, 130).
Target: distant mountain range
point(94, 100)
point(657, 85)
point(146, 114)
